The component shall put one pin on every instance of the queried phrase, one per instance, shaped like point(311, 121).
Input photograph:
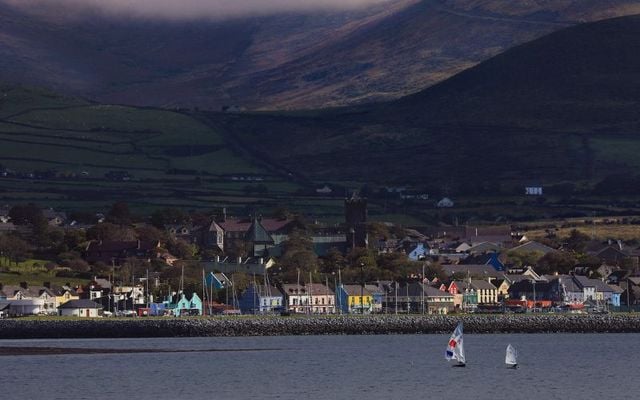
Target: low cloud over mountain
point(185, 9)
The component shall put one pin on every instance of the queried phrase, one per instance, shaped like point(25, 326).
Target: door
point(88, 313)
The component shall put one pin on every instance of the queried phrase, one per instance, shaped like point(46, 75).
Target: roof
point(257, 233)
point(242, 225)
point(479, 284)
point(82, 303)
point(616, 289)
point(355, 290)
point(471, 270)
point(483, 247)
point(533, 247)
point(599, 285)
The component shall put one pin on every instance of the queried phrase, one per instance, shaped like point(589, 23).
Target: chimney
point(24, 285)
point(224, 214)
point(217, 259)
point(239, 260)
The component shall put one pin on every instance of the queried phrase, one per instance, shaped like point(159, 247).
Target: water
point(552, 366)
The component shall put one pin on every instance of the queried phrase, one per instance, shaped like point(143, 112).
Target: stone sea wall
point(333, 325)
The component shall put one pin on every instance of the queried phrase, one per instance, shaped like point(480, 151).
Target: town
point(179, 264)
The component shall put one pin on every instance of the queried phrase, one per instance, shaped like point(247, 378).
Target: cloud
point(186, 9)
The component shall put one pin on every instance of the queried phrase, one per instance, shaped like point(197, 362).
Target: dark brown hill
point(563, 108)
point(276, 62)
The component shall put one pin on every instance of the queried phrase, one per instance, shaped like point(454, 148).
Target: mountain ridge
point(291, 61)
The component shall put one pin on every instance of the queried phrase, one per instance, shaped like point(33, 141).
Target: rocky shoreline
point(320, 325)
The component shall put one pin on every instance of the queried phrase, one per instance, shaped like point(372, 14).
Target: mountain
point(560, 110)
point(284, 61)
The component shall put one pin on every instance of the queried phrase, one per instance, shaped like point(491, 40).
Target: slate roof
point(354, 290)
point(82, 303)
point(485, 271)
point(533, 247)
point(242, 225)
point(479, 284)
point(600, 286)
point(257, 233)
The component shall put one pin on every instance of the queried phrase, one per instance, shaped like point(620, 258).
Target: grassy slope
point(562, 108)
point(42, 131)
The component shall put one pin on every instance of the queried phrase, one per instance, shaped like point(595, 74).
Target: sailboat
point(455, 347)
point(511, 357)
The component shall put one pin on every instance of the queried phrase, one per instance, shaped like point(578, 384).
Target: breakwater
point(325, 325)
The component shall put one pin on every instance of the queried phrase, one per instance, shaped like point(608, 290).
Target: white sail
point(511, 356)
point(455, 346)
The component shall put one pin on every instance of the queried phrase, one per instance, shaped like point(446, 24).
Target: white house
point(80, 308)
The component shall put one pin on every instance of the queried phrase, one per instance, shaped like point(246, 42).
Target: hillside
point(66, 152)
point(281, 61)
point(563, 108)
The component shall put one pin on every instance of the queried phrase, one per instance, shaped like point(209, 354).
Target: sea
point(551, 366)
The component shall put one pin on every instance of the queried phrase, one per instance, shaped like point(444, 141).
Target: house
point(187, 306)
point(258, 239)
point(445, 203)
point(418, 297)
point(419, 252)
point(612, 255)
point(378, 294)
point(486, 293)
point(24, 307)
point(269, 234)
point(534, 291)
point(502, 286)
point(616, 296)
point(465, 297)
point(355, 299)
point(533, 190)
point(594, 289)
point(490, 258)
point(261, 299)
point(296, 298)
point(80, 308)
point(117, 252)
point(322, 299)
point(34, 296)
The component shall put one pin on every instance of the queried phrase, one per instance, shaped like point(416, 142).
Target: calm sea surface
point(558, 366)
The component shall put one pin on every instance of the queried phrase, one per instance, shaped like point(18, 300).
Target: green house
point(185, 307)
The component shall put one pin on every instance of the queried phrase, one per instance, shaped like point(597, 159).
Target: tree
point(169, 216)
point(120, 214)
point(110, 232)
point(556, 261)
point(25, 214)
point(151, 233)
point(298, 254)
point(182, 249)
point(577, 241)
point(14, 249)
point(523, 258)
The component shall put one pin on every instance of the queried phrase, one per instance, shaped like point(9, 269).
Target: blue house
point(418, 253)
point(261, 299)
point(185, 307)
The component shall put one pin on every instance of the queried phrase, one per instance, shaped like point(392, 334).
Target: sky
point(186, 9)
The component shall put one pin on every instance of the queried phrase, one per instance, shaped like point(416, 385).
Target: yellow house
point(65, 294)
point(354, 299)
